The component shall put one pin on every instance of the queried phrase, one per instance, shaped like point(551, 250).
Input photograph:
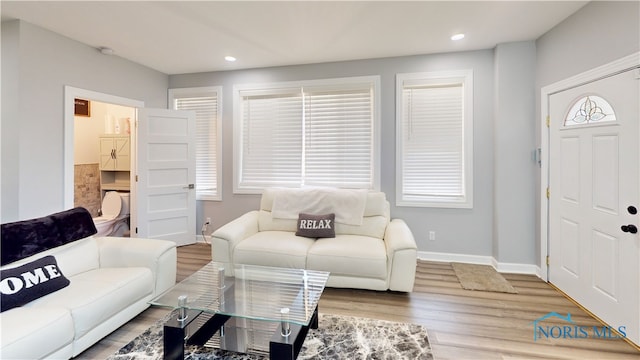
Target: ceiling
point(177, 37)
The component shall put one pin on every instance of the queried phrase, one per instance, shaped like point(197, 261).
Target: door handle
point(190, 186)
point(629, 228)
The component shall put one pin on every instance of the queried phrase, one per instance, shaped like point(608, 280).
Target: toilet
point(115, 214)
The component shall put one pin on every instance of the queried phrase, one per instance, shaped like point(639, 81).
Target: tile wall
point(87, 187)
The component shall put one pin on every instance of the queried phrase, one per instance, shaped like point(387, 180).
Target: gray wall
point(36, 65)
point(514, 165)
point(462, 231)
point(597, 34)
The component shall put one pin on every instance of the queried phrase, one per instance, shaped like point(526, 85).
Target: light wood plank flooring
point(461, 324)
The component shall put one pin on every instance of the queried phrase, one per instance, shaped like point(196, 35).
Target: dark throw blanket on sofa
point(22, 239)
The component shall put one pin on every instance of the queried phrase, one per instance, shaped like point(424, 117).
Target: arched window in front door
point(589, 110)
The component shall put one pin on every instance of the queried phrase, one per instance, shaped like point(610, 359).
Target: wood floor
point(461, 324)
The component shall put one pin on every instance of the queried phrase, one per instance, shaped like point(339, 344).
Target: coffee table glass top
point(253, 292)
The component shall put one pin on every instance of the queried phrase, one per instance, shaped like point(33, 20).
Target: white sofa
point(111, 280)
point(377, 254)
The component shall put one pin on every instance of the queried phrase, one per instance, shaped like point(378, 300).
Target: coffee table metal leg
point(288, 347)
point(177, 333)
point(313, 323)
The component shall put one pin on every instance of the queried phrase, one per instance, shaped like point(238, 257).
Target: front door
point(166, 175)
point(594, 249)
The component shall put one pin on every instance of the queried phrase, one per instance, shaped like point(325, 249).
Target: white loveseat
point(111, 280)
point(376, 254)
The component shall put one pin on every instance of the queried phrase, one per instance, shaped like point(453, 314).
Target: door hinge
point(547, 260)
point(136, 178)
point(137, 232)
point(548, 120)
point(548, 193)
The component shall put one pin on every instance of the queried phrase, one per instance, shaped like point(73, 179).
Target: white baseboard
point(448, 257)
point(511, 268)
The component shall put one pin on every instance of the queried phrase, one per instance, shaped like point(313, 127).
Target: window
point(206, 103)
point(434, 130)
point(310, 133)
point(590, 110)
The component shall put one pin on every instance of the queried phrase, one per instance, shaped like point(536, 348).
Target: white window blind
point(338, 136)
point(205, 102)
point(271, 141)
point(434, 141)
point(313, 134)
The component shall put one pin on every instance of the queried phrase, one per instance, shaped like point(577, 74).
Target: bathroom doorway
point(102, 146)
point(162, 187)
point(93, 119)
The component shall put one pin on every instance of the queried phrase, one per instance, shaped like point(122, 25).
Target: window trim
point(460, 76)
point(176, 93)
point(276, 86)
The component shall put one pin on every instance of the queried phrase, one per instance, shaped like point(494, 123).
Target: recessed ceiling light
point(457, 37)
point(230, 58)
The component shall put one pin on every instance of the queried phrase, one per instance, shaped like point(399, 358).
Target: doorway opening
point(92, 170)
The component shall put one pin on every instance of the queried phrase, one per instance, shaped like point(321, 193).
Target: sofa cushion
point(273, 248)
point(266, 222)
point(351, 255)
point(22, 239)
point(97, 295)
point(347, 204)
point(374, 222)
point(25, 283)
point(316, 226)
point(372, 226)
point(73, 258)
point(36, 333)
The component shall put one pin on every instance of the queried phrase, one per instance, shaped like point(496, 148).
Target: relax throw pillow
point(25, 283)
point(316, 226)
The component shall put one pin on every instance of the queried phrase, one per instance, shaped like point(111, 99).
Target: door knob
point(629, 228)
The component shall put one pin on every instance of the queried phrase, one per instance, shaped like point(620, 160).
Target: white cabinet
point(115, 163)
point(115, 152)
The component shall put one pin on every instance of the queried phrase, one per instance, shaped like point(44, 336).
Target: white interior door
point(166, 175)
point(594, 254)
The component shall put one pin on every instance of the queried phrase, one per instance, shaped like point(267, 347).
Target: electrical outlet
point(432, 235)
point(205, 225)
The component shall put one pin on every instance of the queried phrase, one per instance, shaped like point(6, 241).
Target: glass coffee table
point(243, 308)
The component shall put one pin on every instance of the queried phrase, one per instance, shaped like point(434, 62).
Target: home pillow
point(25, 283)
point(316, 226)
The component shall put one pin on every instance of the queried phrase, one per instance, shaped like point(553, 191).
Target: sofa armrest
point(225, 239)
point(402, 253)
point(160, 256)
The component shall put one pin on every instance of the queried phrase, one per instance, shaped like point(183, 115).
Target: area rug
point(482, 278)
point(337, 337)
